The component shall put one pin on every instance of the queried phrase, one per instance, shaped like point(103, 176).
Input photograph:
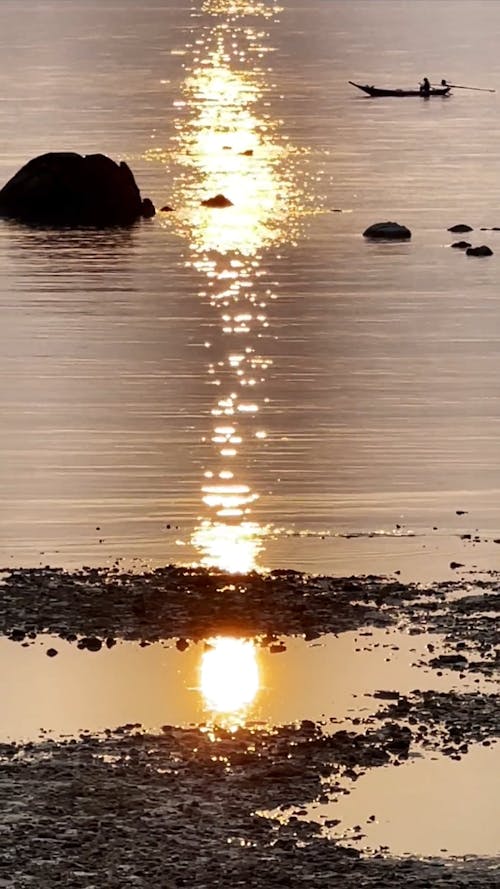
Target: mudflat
point(200, 805)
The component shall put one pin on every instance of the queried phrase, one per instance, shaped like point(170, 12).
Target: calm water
point(215, 382)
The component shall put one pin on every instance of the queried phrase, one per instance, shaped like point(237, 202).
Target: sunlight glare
point(229, 674)
point(232, 548)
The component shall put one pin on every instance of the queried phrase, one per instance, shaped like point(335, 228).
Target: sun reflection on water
point(241, 8)
point(232, 548)
point(229, 677)
point(228, 142)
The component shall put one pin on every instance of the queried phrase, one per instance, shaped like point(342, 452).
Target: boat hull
point(374, 91)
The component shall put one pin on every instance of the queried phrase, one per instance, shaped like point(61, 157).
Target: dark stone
point(17, 635)
point(148, 208)
point(247, 153)
point(91, 643)
point(391, 231)
point(182, 644)
point(454, 565)
point(452, 661)
point(166, 209)
point(460, 228)
point(51, 652)
point(218, 201)
point(461, 245)
point(483, 250)
point(65, 188)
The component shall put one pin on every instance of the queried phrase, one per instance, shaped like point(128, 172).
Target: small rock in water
point(391, 231)
point(461, 227)
point(218, 201)
point(483, 250)
point(91, 643)
point(461, 245)
point(148, 208)
point(52, 652)
point(166, 209)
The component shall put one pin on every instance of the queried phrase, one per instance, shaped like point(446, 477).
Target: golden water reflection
point(233, 548)
point(241, 7)
point(229, 142)
point(229, 677)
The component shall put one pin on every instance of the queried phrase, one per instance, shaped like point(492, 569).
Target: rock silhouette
point(65, 188)
point(460, 228)
point(483, 250)
point(387, 230)
point(218, 201)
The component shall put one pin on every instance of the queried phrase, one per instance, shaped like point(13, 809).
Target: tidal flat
point(233, 799)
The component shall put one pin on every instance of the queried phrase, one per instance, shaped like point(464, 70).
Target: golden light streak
point(228, 142)
point(233, 548)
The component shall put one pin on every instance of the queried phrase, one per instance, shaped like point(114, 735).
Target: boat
point(375, 91)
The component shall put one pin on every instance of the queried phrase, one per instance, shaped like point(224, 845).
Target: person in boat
point(425, 87)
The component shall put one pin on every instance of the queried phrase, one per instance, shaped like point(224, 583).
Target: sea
point(256, 386)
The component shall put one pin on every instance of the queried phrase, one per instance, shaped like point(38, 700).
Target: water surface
point(176, 391)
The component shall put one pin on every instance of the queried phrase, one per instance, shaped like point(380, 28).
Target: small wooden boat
point(375, 91)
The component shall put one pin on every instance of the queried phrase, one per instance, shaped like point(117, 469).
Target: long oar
point(482, 89)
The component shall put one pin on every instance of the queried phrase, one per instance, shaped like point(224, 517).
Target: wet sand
point(207, 805)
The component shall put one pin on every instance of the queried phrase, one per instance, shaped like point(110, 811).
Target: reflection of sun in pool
point(229, 674)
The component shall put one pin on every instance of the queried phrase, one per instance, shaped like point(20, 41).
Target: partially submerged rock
point(483, 250)
point(218, 201)
point(461, 227)
point(461, 245)
point(387, 230)
point(65, 188)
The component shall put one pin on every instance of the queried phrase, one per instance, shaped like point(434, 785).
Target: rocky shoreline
point(178, 809)
point(93, 606)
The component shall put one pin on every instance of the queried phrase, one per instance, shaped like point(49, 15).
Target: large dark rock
point(387, 231)
point(460, 228)
point(65, 188)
